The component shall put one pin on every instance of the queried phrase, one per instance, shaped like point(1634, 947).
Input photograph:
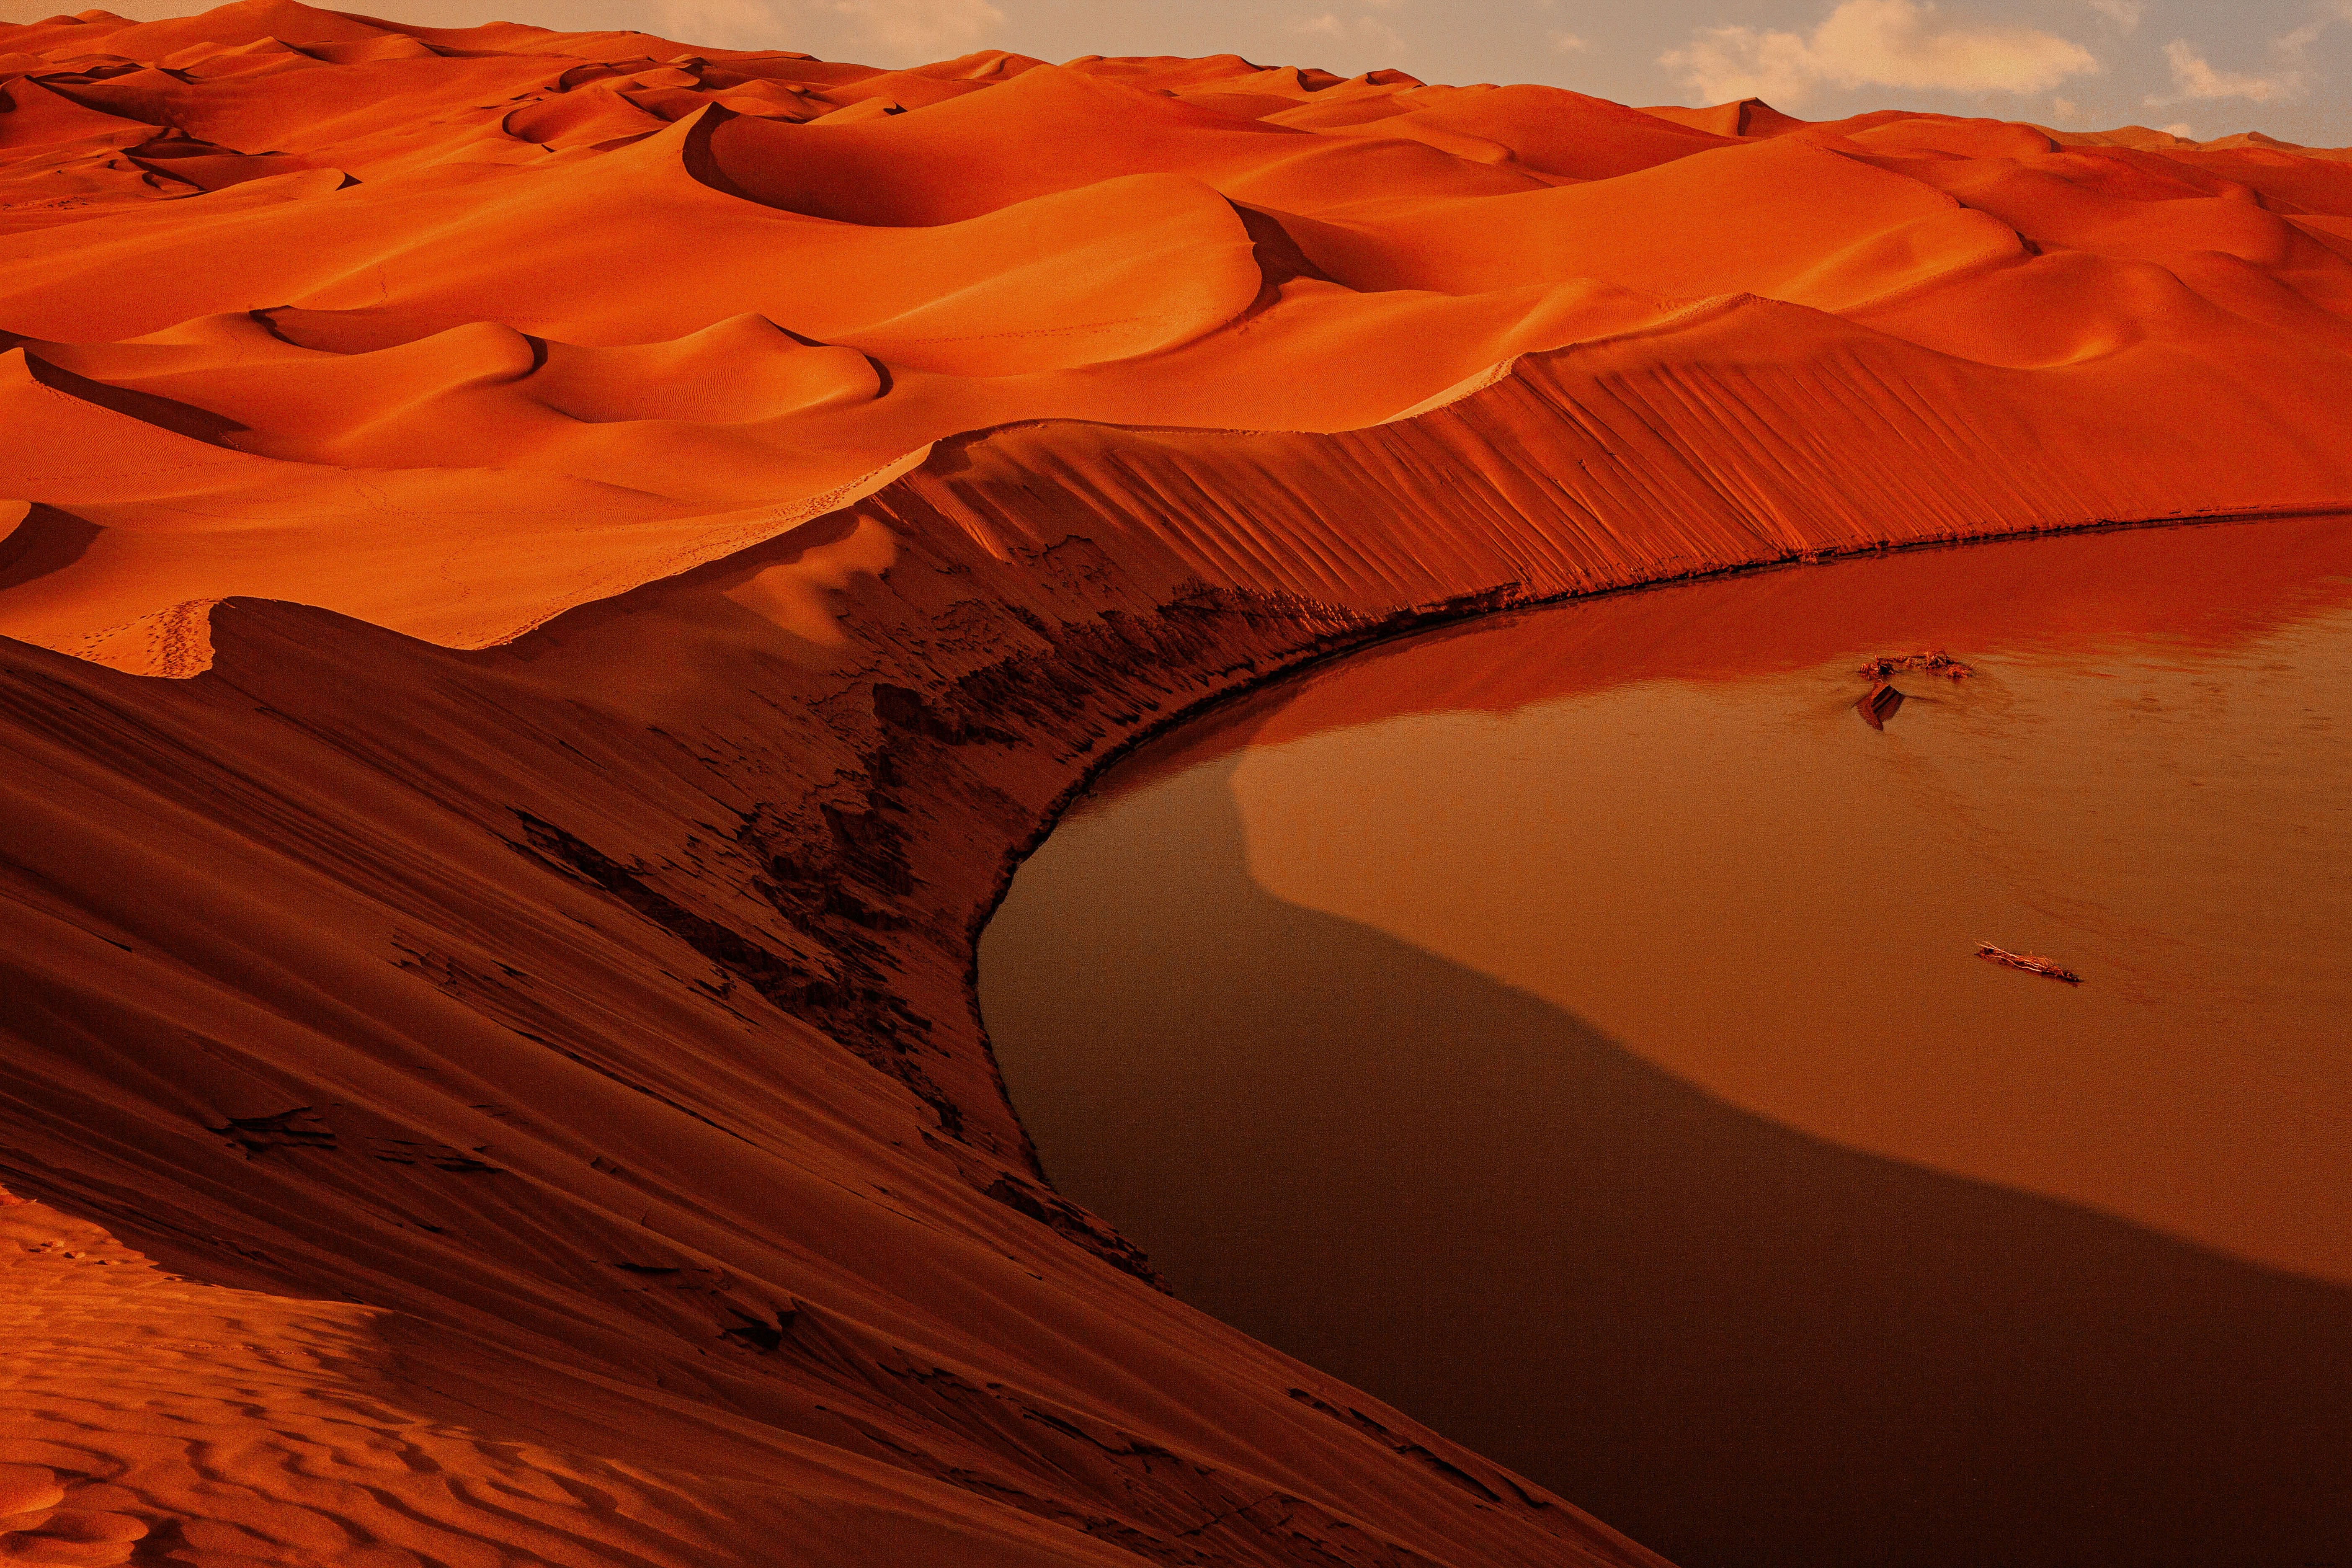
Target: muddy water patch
point(1572, 1028)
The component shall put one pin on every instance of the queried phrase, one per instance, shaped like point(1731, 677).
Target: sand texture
point(546, 578)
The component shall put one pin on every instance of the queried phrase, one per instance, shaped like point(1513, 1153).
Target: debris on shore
point(1934, 661)
point(2032, 962)
point(1878, 704)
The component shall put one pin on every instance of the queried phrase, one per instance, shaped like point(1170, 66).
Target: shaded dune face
point(645, 534)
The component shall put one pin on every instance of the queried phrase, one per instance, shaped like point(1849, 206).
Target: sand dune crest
point(644, 532)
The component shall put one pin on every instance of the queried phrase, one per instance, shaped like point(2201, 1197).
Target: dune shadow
point(47, 541)
point(1738, 1343)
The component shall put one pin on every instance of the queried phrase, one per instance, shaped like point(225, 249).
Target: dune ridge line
point(491, 1063)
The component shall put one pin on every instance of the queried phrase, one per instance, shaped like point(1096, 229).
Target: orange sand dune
point(648, 533)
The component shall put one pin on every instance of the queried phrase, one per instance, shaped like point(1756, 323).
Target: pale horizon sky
point(2203, 68)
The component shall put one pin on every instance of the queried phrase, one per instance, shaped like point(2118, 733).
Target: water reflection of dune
point(2196, 589)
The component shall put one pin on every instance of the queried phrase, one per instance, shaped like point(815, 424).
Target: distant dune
point(650, 534)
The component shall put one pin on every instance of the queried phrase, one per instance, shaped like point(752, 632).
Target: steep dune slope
point(647, 533)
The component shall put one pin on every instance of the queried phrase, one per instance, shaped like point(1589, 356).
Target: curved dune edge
point(493, 1044)
point(597, 1008)
point(175, 641)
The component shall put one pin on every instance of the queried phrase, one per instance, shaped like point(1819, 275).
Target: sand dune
point(645, 531)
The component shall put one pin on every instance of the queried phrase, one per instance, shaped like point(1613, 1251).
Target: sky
point(2202, 67)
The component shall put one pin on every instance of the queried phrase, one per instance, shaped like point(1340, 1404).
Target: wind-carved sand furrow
point(1131, 563)
point(523, 968)
point(256, 1449)
point(1742, 443)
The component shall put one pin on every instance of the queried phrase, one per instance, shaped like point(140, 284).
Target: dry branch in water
point(1932, 662)
point(2032, 963)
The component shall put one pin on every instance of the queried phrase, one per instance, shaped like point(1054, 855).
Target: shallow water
point(1568, 1028)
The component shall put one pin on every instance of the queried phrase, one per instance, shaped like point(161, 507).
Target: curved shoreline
point(1350, 994)
point(1436, 620)
point(893, 703)
point(521, 978)
point(658, 923)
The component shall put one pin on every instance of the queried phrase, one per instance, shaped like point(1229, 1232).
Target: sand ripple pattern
point(639, 535)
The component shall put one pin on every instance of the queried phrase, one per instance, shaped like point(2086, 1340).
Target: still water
point(1570, 1029)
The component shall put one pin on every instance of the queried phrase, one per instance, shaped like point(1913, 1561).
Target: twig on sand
point(1935, 661)
point(2032, 963)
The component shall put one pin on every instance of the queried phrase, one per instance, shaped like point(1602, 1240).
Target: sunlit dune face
point(642, 536)
point(516, 276)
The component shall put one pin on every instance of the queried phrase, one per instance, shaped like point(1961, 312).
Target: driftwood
point(1935, 661)
point(2032, 963)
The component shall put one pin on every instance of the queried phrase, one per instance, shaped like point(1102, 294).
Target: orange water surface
point(1572, 1030)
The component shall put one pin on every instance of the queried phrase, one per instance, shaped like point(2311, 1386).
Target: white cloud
point(1364, 32)
point(2125, 14)
point(2303, 37)
point(940, 28)
point(2197, 80)
point(2194, 77)
point(1723, 63)
point(2181, 129)
point(1875, 43)
point(932, 29)
point(720, 24)
point(2324, 16)
point(1567, 42)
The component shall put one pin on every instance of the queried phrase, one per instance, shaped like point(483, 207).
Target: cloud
point(2194, 77)
point(2197, 80)
point(1364, 32)
point(2324, 16)
point(930, 29)
point(1875, 43)
point(1567, 42)
point(2125, 14)
point(937, 28)
point(720, 24)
